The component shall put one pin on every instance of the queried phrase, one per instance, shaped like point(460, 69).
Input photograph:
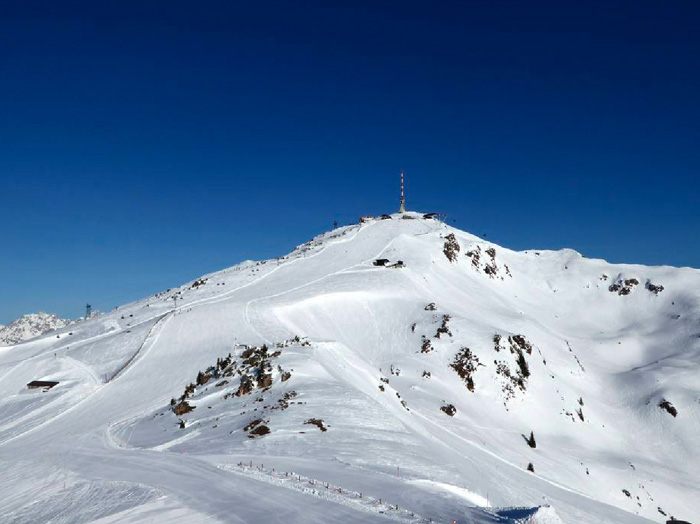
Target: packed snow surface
point(455, 380)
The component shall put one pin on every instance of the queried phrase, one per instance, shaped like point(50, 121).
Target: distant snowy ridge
point(29, 326)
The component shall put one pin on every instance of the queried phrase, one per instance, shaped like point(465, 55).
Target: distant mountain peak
point(29, 326)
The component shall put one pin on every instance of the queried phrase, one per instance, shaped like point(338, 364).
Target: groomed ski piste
point(421, 382)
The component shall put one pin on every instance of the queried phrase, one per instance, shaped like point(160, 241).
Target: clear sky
point(143, 144)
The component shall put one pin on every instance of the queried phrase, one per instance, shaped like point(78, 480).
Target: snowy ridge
point(29, 326)
point(454, 378)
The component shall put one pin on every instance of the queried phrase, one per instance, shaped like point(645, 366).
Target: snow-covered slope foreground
point(320, 387)
point(29, 326)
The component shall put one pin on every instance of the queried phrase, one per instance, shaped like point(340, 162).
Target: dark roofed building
point(46, 384)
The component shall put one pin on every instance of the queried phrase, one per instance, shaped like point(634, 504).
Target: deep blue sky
point(143, 144)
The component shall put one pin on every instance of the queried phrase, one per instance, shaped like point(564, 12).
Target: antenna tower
point(402, 203)
point(88, 309)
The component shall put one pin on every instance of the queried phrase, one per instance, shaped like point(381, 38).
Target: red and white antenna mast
point(402, 203)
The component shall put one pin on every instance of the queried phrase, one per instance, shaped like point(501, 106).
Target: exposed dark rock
point(665, 404)
point(654, 288)
point(497, 342)
point(519, 341)
point(522, 365)
point(451, 247)
point(316, 422)
point(465, 364)
point(182, 408)
point(265, 380)
point(531, 440)
point(443, 329)
point(199, 282)
point(449, 409)
point(623, 287)
point(256, 428)
point(259, 431)
point(245, 387)
point(202, 378)
point(475, 255)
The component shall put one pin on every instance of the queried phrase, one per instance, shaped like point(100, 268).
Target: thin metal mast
point(402, 203)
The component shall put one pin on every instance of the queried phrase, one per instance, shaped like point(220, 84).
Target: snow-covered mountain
point(397, 369)
point(29, 326)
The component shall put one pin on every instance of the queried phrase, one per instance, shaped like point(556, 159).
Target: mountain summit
point(29, 326)
point(397, 369)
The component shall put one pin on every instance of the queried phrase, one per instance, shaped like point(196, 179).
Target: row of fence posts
point(311, 481)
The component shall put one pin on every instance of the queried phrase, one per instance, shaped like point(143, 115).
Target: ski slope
point(416, 386)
